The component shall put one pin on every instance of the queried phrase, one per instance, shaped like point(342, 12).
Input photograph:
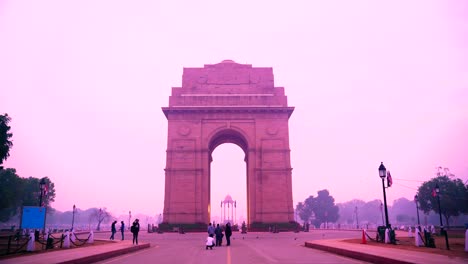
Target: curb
point(356, 255)
point(106, 255)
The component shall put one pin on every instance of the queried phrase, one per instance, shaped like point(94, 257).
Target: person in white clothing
point(210, 242)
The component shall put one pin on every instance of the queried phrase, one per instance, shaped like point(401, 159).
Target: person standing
point(211, 230)
point(122, 229)
point(228, 233)
point(113, 230)
point(135, 229)
point(219, 235)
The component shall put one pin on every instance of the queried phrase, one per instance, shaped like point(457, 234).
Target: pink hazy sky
point(371, 81)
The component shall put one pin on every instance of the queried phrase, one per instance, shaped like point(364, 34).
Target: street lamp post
point(129, 217)
point(382, 174)
point(417, 210)
point(442, 230)
point(42, 185)
point(381, 212)
point(357, 219)
point(73, 217)
point(326, 219)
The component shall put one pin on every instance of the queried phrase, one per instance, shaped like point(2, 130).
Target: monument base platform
point(183, 227)
point(273, 227)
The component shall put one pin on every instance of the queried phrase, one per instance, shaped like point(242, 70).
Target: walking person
point(135, 229)
point(219, 235)
point(113, 230)
point(228, 233)
point(122, 229)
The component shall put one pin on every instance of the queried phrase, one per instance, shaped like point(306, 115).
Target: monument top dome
point(228, 199)
point(228, 61)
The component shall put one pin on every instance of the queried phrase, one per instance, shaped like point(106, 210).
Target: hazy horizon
point(371, 82)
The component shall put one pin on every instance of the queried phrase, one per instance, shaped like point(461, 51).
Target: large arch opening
point(228, 174)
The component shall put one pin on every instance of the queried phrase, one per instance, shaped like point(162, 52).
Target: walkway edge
point(106, 255)
point(356, 255)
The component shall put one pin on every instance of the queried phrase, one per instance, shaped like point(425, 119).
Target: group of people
point(114, 229)
point(218, 234)
point(134, 229)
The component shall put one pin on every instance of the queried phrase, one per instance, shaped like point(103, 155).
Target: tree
point(5, 135)
point(324, 208)
point(453, 196)
point(371, 212)
point(348, 211)
point(10, 194)
point(305, 209)
point(318, 209)
point(32, 192)
point(100, 215)
point(16, 192)
point(403, 210)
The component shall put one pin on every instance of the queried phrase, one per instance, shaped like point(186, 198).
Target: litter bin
point(50, 243)
point(381, 234)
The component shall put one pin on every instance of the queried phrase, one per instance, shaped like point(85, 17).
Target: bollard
point(66, 243)
point(417, 238)
point(466, 240)
point(387, 236)
point(50, 242)
point(91, 237)
point(410, 232)
point(72, 236)
point(31, 243)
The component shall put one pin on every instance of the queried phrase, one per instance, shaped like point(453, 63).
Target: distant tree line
point(453, 195)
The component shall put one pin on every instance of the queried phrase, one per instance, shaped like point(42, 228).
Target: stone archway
point(228, 103)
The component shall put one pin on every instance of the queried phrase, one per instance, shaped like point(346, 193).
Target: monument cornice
point(274, 169)
point(227, 109)
point(183, 169)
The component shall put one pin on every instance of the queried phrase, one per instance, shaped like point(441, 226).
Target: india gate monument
point(234, 103)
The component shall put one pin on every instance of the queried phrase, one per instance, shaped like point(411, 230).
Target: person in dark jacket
point(228, 233)
point(113, 230)
point(135, 229)
point(219, 235)
point(122, 229)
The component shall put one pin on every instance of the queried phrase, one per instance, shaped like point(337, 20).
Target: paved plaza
point(286, 247)
point(189, 248)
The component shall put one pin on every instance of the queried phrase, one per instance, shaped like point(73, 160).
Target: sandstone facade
point(228, 103)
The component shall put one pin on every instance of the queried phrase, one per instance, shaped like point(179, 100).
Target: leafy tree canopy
point(10, 193)
point(5, 135)
point(453, 197)
point(319, 209)
point(16, 192)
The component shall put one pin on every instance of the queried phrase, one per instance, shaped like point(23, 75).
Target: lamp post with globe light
point(442, 230)
point(73, 217)
point(383, 174)
point(42, 185)
point(417, 210)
